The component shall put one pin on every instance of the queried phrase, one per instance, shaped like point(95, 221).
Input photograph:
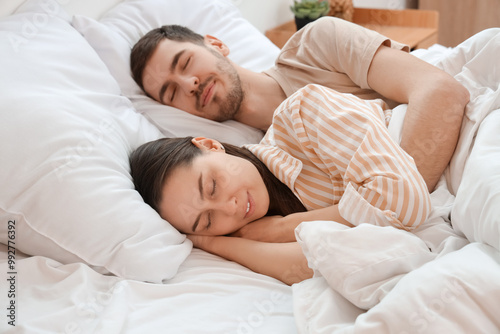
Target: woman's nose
point(229, 207)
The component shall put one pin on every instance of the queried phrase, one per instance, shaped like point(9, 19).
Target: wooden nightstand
point(415, 28)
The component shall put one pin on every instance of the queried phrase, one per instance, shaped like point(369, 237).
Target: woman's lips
point(250, 208)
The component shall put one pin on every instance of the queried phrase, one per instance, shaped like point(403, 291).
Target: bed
point(82, 253)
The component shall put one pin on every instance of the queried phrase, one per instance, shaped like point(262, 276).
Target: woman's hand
point(201, 241)
point(282, 229)
point(267, 229)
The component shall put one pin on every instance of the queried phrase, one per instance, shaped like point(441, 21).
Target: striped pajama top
point(333, 148)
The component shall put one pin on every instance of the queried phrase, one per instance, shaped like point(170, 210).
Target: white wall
point(267, 14)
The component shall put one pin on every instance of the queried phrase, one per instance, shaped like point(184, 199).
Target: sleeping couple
point(326, 154)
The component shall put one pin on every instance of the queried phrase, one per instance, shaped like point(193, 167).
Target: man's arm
point(283, 261)
point(436, 104)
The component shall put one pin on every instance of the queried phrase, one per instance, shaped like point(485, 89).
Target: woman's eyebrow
point(200, 188)
point(200, 185)
point(196, 222)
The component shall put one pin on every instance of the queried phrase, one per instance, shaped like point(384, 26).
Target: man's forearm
point(436, 105)
point(432, 126)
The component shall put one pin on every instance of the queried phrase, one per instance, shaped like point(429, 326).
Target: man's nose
point(190, 84)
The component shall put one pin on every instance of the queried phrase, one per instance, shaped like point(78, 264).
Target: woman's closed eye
point(214, 187)
point(212, 194)
point(209, 221)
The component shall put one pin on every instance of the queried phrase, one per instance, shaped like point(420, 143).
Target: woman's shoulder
point(315, 109)
point(319, 101)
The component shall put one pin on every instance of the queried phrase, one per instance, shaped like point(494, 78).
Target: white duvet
point(446, 277)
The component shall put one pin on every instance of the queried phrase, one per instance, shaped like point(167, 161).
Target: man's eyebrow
point(175, 60)
point(173, 65)
point(200, 188)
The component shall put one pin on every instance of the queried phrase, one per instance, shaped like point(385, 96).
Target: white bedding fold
point(456, 293)
point(362, 263)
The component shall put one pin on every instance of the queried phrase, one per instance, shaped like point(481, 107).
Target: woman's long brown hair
point(152, 163)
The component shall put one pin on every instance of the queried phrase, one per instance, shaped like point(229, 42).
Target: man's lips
point(207, 94)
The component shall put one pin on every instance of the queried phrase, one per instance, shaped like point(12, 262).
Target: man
point(185, 70)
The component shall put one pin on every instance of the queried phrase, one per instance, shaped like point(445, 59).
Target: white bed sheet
point(208, 295)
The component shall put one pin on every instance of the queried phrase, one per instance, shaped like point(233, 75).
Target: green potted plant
point(306, 11)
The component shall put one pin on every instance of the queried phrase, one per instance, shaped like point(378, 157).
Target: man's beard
point(230, 104)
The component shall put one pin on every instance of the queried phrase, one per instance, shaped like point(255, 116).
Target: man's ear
point(217, 44)
point(207, 144)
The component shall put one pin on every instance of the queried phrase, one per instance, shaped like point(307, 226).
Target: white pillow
point(119, 29)
point(65, 135)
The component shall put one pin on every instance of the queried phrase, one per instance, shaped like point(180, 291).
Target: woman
point(327, 156)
